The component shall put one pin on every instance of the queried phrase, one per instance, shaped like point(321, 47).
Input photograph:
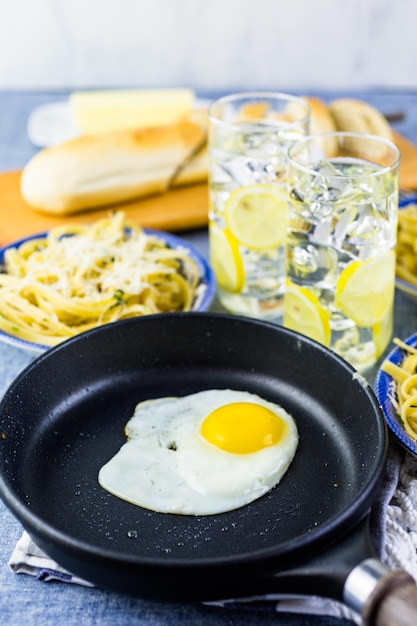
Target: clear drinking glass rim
point(247, 95)
point(342, 133)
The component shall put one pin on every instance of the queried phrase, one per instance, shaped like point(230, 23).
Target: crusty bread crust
point(321, 120)
point(101, 169)
point(351, 115)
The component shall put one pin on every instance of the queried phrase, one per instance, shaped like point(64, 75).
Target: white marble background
point(208, 44)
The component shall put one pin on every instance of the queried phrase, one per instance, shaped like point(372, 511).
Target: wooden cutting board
point(181, 209)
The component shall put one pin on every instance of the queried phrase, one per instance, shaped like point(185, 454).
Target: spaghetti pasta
point(405, 377)
point(82, 276)
point(406, 268)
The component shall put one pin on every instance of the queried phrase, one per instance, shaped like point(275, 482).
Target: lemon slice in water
point(365, 289)
point(382, 332)
point(257, 216)
point(304, 314)
point(225, 259)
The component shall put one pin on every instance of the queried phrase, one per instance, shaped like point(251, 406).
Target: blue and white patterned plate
point(387, 396)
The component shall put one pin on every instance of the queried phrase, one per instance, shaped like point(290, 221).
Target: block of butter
point(102, 111)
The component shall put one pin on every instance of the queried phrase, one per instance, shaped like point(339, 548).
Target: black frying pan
point(63, 418)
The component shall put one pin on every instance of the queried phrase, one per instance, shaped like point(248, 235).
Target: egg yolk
point(242, 427)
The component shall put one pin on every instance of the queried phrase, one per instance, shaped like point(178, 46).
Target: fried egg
point(201, 454)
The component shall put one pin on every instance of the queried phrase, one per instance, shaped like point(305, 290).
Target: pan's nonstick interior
point(63, 418)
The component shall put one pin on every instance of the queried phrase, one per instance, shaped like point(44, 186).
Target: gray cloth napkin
point(27, 558)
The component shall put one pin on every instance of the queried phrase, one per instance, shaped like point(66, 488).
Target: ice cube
point(254, 142)
point(320, 194)
point(247, 171)
point(346, 217)
point(365, 228)
point(304, 259)
point(330, 182)
point(312, 263)
point(320, 208)
point(261, 141)
point(325, 168)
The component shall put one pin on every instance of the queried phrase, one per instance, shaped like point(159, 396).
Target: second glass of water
point(342, 225)
point(249, 137)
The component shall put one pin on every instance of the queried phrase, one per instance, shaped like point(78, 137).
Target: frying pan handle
point(381, 595)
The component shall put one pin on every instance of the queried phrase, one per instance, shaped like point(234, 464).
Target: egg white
point(168, 466)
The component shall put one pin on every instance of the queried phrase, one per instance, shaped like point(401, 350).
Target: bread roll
point(360, 117)
point(321, 121)
point(101, 169)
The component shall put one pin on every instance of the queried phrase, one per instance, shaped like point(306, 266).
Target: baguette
point(107, 168)
point(321, 120)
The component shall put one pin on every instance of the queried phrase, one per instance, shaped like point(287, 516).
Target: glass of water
point(249, 137)
point(341, 238)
